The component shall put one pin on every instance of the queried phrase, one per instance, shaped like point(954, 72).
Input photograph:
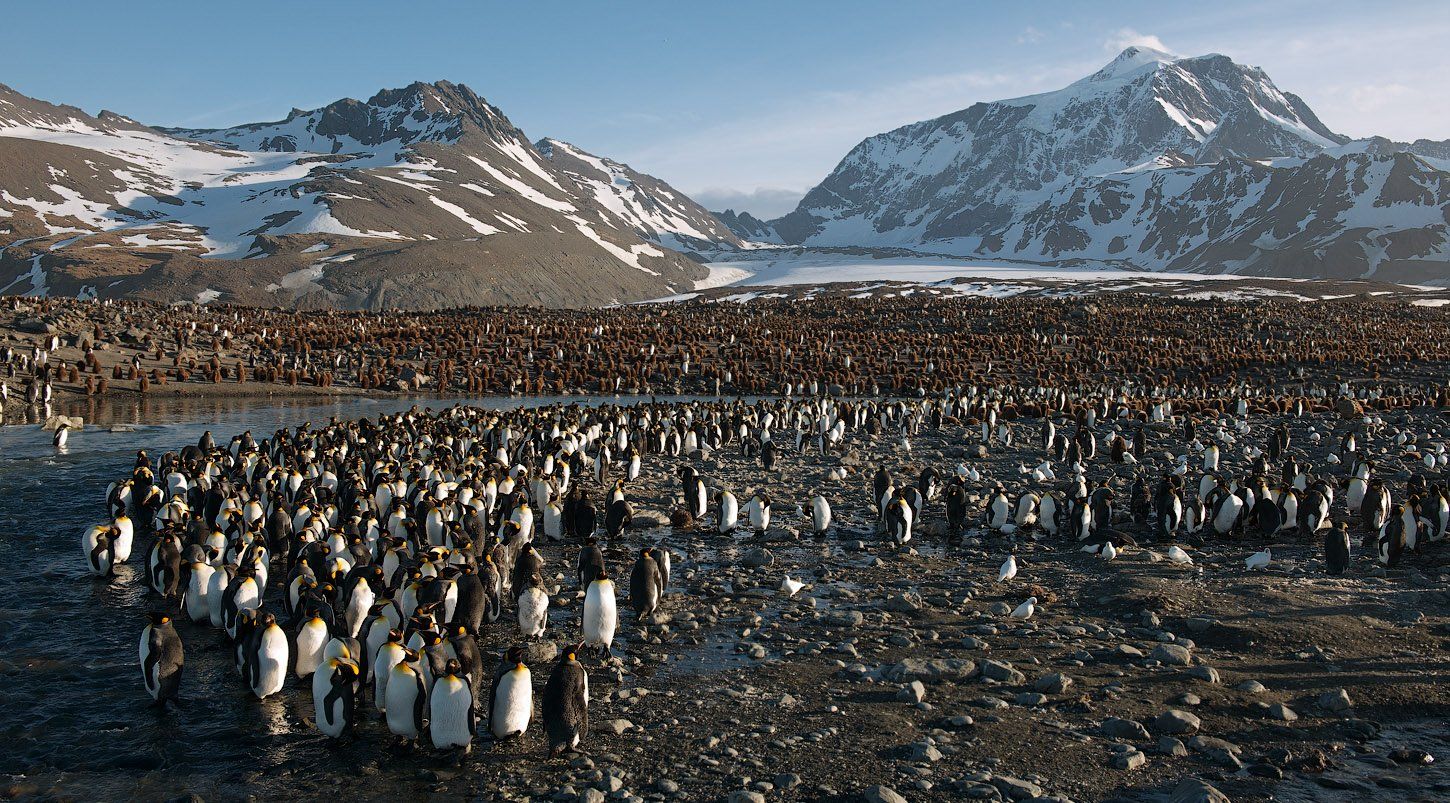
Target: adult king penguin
point(162, 659)
point(566, 704)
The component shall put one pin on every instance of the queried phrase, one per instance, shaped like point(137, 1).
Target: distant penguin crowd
point(376, 559)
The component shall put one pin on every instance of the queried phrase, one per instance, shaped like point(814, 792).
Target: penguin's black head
point(159, 618)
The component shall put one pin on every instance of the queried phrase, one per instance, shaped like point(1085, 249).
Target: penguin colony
point(913, 345)
point(374, 560)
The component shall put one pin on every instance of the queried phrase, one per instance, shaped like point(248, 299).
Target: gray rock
point(1282, 712)
point(1175, 722)
point(1336, 701)
point(1251, 686)
point(1015, 788)
point(1199, 624)
point(913, 692)
point(746, 796)
point(758, 557)
point(591, 795)
point(1172, 655)
point(845, 619)
point(882, 794)
point(541, 652)
point(787, 780)
point(1055, 683)
point(615, 726)
point(1031, 699)
point(1170, 746)
point(1001, 671)
point(1205, 673)
point(923, 752)
point(1130, 729)
point(932, 670)
point(906, 602)
point(1130, 760)
point(1193, 790)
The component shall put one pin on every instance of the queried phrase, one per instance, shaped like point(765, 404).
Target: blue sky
point(740, 103)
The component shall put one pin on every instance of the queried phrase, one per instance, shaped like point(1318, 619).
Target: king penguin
point(162, 659)
point(566, 704)
point(511, 697)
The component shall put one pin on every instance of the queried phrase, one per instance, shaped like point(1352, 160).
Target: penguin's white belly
point(197, 604)
point(271, 662)
point(216, 589)
point(450, 706)
point(311, 640)
point(403, 696)
point(600, 618)
point(533, 611)
point(357, 608)
point(513, 704)
point(382, 669)
point(151, 676)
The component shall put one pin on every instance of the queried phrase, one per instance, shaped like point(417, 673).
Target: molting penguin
point(511, 697)
point(566, 704)
point(162, 658)
point(533, 608)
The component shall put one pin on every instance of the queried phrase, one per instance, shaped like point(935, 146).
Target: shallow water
point(74, 716)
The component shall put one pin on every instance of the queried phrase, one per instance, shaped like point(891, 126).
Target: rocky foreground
point(899, 674)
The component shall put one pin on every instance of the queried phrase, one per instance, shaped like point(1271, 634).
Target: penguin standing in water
point(1336, 549)
point(451, 720)
point(62, 434)
point(646, 585)
point(511, 697)
point(266, 657)
point(566, 704)
point(334, 696)
point(162, 659)
point(99, 545)
point(600, 616)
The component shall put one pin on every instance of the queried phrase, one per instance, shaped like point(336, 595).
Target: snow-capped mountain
point(655, 210)
point(1154, 161)
point(424, 196)
point(748, 227)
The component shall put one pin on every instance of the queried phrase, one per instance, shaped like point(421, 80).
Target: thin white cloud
point(1124, 38)
point(1029, 36)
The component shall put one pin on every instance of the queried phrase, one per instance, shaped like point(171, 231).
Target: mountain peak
point(1133, 59)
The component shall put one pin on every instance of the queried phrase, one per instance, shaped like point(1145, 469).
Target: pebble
point(1055, 683)
point(1172, 655)
point(882, 794)
point(1170, 746)
point(1130, 761)
point(1117, 728)
point(1336, 701)
point(1175, 722)
point(913, 692)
